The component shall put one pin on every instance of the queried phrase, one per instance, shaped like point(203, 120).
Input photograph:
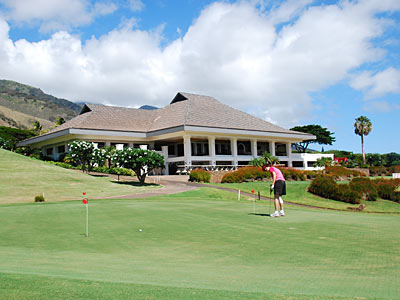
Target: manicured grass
point(22, 178)
point(297, 193)
point(201, 244)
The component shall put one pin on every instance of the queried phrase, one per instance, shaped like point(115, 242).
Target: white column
point(108, 144)
point(272, 148)
point(254, 148)
point(234, 151)
point(289, 154)
point(187, 146)
point(211, 150)
point(165, 154)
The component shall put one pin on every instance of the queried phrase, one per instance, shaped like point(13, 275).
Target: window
point(280, 149)
point(181, 151)
point(199, 148)
point(222, 147)
point(61, 149)
point(171, 150)
point(244, 148)
point(297, 164)
point(49, 151)
point(262, 147)
point(310, 164)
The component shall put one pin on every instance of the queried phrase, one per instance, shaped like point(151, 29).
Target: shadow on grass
point(260, 215)
point(135, 183)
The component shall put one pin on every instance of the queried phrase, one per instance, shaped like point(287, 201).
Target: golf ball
point(140, 229)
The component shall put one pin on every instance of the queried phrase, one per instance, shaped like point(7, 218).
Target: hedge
point(199, 175)
point(342, 172)
point(357, 190)
point(245, 173)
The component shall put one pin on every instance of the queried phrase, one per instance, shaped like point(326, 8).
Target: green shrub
point(342, 172)
point(293, 174)
point(199, 175)
point(245, 173)
point(387, 189)
point(39, 198)
point(378, 171)
point(114, 170)
point(364, 186)
point(327, 187)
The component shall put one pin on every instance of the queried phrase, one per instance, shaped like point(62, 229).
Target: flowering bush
point(141, 161)
point(327, 187)
point(388, 189)
point(4, 144)
point(199, 175)
point(82, 153)
point(244, 173)
point(364, 186)
point(342, 172)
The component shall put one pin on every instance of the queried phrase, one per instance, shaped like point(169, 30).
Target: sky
point(289, 62)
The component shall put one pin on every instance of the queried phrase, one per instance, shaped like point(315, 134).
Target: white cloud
point(136, 5)
point(379, 84)
point(55, 14)
point(379, 106)
point(233, 52)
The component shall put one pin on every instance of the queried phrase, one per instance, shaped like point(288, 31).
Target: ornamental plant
point(141, 161)
point(199, 175)
point(82, 153)
point(326, 186)
point(245, 173)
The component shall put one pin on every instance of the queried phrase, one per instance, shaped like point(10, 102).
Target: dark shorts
point(280, 188)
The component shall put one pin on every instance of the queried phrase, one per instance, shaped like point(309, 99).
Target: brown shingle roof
point(185, 109)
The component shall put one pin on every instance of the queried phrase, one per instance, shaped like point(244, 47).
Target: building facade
point(192, 131)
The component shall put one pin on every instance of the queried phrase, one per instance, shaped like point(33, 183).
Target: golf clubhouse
point(192, 131)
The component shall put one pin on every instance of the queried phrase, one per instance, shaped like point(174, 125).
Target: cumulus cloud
point(234, 52)
point(379, 84)
point(135, 5)
point(55, 14)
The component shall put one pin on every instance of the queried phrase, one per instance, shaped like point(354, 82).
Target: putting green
point(203, 242)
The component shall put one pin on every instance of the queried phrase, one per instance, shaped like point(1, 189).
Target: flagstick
point(254, 205)
point(87, 220)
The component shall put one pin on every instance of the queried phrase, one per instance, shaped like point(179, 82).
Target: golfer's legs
point(276, 203)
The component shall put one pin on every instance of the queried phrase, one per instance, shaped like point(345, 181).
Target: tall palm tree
point(362, 126)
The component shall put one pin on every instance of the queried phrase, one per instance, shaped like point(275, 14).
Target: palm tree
point(362, 126)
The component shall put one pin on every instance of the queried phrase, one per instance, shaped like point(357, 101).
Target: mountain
point(148, 107)
point(21, 105)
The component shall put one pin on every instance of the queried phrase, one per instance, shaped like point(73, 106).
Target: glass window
point(61, 149)
point(280, 149)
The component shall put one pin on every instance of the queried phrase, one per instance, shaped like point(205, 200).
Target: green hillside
point(32, 102)
point(22, 178)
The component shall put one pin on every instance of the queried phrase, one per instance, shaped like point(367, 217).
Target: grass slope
point(297, 193)
point(201, 244)
point(22, 178)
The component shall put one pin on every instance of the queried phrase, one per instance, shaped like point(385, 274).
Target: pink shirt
point(278, 173)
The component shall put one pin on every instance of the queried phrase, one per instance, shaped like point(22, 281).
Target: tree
point(323, 162)
point(82, 153)
point(266, 158)
point(323, 135)
point(362, 127)
point(59, 121)
point(141, 161)
point(37, 127)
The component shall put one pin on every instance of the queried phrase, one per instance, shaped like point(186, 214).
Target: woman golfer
point(279, 187)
